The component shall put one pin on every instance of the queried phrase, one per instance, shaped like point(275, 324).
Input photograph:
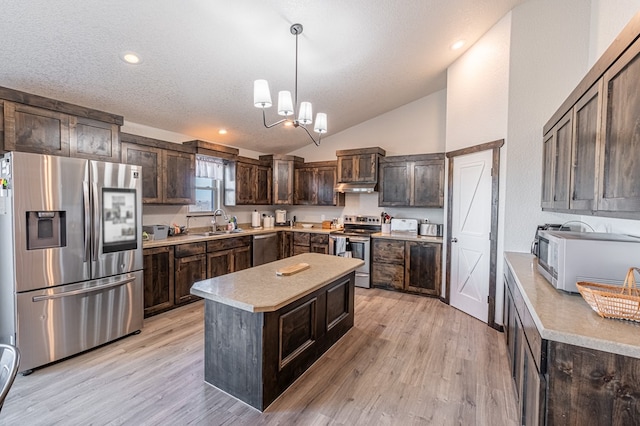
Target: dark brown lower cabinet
point(228, 255)
point(190, 267)
point(319, 243)
point(422, 267)
point(286, 244)
point(412, 266)
point(562, 384)
point(158, 280)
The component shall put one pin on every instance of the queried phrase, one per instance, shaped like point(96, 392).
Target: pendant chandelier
point(286, 106)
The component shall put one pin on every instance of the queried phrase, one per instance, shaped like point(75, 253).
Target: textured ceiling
point(358, 59)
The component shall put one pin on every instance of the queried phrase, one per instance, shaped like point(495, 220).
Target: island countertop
point(259, 289)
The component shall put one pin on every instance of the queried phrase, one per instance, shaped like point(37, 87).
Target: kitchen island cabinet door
point(158, 280)
point(422, 272)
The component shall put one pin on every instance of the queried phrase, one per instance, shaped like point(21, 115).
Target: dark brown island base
point(263, 330)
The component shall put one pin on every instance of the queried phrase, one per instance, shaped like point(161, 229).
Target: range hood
point(357, 187)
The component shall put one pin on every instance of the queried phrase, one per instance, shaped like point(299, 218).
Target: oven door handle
point(358, 239)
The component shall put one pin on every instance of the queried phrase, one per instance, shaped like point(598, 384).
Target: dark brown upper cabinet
point(168, 169)
point(620, 150)
point(283, 172)
point(591, 155)
point(32, 123)
point(359, 165)
point(253, 182)
point(412, 181)
point(315, 183)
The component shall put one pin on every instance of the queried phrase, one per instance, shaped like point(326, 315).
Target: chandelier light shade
point(261, 94)
point(287, 106)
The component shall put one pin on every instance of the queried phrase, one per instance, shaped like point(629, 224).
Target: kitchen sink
point(213, 233)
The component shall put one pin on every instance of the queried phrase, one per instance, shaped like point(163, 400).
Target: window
point(209, 176)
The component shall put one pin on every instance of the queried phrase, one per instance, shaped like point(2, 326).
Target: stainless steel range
point(356, 235)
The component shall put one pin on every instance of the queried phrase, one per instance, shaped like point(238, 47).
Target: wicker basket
point(611, 301)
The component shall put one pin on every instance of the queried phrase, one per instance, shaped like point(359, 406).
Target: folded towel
point(340, 246)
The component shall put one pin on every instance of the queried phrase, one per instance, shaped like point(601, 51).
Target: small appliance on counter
point(405, 226)
point(159, 232)
point(281, 217)
point(535, 247)
point(430, 229)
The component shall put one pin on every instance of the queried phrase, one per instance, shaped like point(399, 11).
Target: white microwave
point(567, 257)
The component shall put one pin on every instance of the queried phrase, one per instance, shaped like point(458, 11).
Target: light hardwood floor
point(408, 360)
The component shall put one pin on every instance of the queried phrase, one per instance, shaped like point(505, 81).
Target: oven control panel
point(361, 220)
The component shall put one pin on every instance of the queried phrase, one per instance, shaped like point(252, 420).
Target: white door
point(470, 228)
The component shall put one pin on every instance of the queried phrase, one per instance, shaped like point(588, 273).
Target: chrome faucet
point(216, 213)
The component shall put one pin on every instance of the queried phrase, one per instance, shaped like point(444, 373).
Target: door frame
point(495, 196)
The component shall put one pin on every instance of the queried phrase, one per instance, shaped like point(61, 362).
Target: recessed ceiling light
point(131, 58)
point(457, 45)
point(222, 131)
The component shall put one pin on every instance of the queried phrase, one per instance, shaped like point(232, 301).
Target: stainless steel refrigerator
point(71, 254)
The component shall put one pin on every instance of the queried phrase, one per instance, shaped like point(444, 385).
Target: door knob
point(454, 240)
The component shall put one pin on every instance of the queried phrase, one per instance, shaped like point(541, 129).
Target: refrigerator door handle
point(83, 290)
point(96, 221)
point(87, 221)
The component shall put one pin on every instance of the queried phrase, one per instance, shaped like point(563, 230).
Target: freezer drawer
point(65, 320)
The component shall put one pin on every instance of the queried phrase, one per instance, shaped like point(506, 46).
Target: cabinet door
point(548, 163)
point(158, 280)
point(534, 390)
point(245, 180)
point(298, 249)
point(94, 140)
point(428, 184)
point(395, 184)
point(564, 135)
point(422, 265)
point(150, 159)
point(387, 275)
point(586, 141)
point(346, 168)
point(219, 263)
point(305, 186)
point(31, 129)
point(263, 185)
point(178, 175)
point(283, 172)
point(286, 244)
point(319, 248)
point(188, 270)
point(242, 258)
point(620, 152)
point(325, 184)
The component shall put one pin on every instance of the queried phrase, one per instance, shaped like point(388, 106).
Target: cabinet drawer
point(300, 249)
point(388, 251)
point(184, 250)
point(301, 238)
point(228, 243)
point(319, 239)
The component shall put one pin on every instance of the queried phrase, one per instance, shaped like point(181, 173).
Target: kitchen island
point(263, 331)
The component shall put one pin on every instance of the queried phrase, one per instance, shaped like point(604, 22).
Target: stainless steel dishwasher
point(265, 248)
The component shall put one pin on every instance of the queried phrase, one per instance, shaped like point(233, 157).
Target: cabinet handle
point(454, 240)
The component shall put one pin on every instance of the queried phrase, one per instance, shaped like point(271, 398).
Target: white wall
point(477, 109)
point(608, 18)
point(549, 56)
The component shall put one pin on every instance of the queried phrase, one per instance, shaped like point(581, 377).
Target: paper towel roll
point(255, 219)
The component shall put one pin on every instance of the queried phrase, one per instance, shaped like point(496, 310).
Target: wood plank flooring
point(408, 360)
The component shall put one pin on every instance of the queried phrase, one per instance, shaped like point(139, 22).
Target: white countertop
point(259, 289)
point(567, 318)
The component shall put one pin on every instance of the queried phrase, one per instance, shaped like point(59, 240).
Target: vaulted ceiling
point(357, 59)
